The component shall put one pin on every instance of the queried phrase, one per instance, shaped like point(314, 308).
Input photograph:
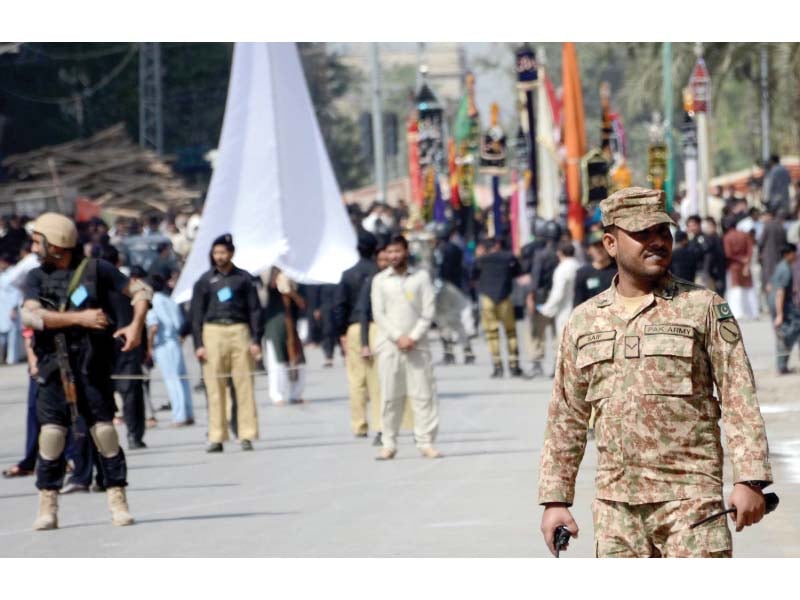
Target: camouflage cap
point(635, 209)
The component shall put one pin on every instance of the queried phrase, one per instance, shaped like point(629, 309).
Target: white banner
point(273, 188)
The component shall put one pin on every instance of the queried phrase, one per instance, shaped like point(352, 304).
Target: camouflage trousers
point(660, 529)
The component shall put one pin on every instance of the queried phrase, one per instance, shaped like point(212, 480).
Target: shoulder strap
point(73, 284)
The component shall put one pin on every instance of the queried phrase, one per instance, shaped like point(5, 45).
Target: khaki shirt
point(402, 305)
point(650, 376)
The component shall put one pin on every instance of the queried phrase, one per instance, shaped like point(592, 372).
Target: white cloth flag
point(547, 155)
point(273, 187)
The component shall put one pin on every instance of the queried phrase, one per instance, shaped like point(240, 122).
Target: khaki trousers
point(362, 376)
point(228, 354)
point(407, 375)
point(492, 316)
point(539, 326)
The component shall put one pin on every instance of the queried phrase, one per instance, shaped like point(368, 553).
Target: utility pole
point(765, 150)
point(700, 82)
point(151, 122)
point(377, 125)
point(669, 182)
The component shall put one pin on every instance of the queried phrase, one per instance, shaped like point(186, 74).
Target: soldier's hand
point(255, 351)
point(92, 318)
point(778, 321)
point(132, 336)
point(366, 353)
point(556, 514)
point(749, 503)
point(201, 354)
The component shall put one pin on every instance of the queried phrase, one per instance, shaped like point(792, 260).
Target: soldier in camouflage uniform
point(646, 354)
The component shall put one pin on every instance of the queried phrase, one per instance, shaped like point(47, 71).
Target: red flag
point(414, 173)
point(455, 201)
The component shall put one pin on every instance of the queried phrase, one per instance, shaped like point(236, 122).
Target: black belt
point(225, 322)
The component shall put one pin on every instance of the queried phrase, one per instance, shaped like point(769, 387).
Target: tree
point(329, 79)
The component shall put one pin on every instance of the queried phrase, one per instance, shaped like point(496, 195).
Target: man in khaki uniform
point(403, 306)
point(646, 354)
point(227, 330)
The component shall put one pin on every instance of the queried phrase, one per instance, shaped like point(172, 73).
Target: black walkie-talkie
point(561, 539)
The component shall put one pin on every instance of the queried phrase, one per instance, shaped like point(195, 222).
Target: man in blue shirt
point(786, 314)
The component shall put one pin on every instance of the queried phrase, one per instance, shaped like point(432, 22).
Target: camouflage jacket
point(651, 380)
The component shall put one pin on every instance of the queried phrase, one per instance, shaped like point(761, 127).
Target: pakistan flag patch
point(723, 311)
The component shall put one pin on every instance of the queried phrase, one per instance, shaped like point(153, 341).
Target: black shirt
point(544, 266)
point(48, 285)
point(227, 299)
point(449, 261)
point(590, 281)
point(714, 261)
point(495, 273)
point(346, 309)
point(364, 307)
point(685, 260)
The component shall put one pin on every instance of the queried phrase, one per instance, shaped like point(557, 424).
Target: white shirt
point(559, 301)
point(402, 305)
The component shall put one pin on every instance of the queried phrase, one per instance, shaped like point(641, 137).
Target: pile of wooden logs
point(107, 168)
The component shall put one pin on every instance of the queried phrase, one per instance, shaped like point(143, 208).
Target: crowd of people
point(379, 317)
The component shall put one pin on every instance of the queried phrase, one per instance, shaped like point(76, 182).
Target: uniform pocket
point(596, 360)
point(668, 364)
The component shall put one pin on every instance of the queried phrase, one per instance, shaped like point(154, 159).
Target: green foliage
point(328, 80)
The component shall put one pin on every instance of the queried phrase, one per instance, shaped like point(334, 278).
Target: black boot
point(498, 371)
point(449, 359)
point(469, 357)
point(515, 371)
point(537, 370)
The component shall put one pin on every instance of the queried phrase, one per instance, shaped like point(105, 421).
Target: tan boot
point(48, 511)
point(118, 505)
point(430, 452)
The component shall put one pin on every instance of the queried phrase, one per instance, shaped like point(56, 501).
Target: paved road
point(311, 490)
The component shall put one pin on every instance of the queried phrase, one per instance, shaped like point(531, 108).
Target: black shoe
point(164, 407)
point(378, 441)
point(515, 371)
point(71, 488)
point(497, 372)
point(247, 445)
point(199, 387)
point(363, 434)
point(469, 359)
point(136, 445)
point(449, 359)
point(214, 447)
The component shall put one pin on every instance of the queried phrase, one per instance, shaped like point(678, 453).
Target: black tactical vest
point(82, 343)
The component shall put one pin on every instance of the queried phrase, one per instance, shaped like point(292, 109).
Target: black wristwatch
point(756, 485)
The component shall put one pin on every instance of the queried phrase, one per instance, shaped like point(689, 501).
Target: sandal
point(15, 471)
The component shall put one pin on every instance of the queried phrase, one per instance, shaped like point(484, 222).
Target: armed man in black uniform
point(227, 331)
point(67, 304)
